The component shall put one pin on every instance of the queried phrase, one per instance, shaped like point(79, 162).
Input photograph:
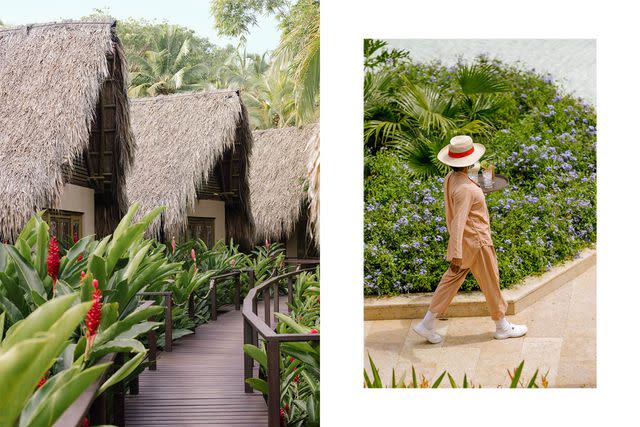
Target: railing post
point(168, 322)
point(118, 395)
point(192, 307)
point(213, 286)
point(290, 289)
point(273, 382)
point(248, 361)
point(267, 305)
point(252, 278)
point(276, 298)
point(152, 338)
point(237, 294)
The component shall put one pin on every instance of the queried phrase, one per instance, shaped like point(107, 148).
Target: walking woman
point(470, 245)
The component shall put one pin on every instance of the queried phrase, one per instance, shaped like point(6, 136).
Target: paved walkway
point(561, 339)
point(200, 382)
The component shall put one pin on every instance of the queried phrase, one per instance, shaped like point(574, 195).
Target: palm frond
point(476, 79)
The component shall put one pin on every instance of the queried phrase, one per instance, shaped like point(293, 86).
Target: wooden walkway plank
point(199, 383)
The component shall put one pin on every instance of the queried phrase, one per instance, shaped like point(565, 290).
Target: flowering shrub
point(545, 144)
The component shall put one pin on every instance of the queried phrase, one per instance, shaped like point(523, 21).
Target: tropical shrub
point(542, 140)
point(97, 280)
point(375, 381)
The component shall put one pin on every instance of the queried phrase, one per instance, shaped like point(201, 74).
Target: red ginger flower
point(313, 331)
point(93, 316)
point(292, 359)
point(53, 260)
point(85, 422)
point(43, 379)
point(82, 275)
point(296, 380)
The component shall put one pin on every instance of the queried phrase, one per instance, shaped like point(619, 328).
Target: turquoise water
point(571, 62)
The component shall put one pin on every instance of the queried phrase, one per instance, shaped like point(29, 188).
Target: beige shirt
point(467, 217)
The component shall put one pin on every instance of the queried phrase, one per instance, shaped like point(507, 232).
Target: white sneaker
point(429, 334)
point(511, 331)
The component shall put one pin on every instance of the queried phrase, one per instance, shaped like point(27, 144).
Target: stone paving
point(561, 340)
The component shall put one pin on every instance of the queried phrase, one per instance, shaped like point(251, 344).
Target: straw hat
point(461, 151)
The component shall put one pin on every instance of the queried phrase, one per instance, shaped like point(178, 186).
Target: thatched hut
point(283, 182)
point(192, 157)
point(65, 141)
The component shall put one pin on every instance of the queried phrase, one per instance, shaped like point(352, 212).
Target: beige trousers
point(484, 267)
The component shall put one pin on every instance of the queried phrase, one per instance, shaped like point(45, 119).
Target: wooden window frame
point(71, 216)
point(201, 220)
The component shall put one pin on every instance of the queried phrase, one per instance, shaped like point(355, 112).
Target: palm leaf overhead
point(477, 79)
point(427, 107)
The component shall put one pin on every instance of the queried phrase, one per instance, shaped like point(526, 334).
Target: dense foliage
point(299, 361)
point(64, 314)
point(543, 140)
point(280, 88)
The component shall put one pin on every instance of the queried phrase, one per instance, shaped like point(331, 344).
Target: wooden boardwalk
point(200, 383)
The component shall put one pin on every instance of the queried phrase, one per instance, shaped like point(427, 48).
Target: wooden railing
point(254, 326)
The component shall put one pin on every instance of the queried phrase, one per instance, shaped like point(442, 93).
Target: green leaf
point(516, 375)
point(108, 316)
point(301, 329)
point(26, 272)
point(39, 321)
point(257, 354)
point(10, 309)
point(117, 346)
point(42, 248)
point(258, 384)
point(451, 381)
point(414, 379)
point(532, 382)
point(51, 408)
point(40, 395)
point(134, 262)
point(126, 220)
point(125, 324)
point(436, 384)
point(97, 267)
point(137, 330)
point(125, 370)
point(20, 370)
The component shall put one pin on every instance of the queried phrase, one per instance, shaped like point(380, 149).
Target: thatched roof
point(50, 81)
point(180, 139)
point(278, 178)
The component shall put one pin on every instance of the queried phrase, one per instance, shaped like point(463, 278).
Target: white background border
point(344, 24)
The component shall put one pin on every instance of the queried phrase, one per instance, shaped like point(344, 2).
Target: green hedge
point(547, 149)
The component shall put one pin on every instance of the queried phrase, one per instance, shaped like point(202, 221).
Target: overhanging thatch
point(278, 178)
point(51, 76)
point(181, 138)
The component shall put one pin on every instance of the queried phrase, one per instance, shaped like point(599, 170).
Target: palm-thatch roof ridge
point(278, 178)
point(50, 80)
point(180, 138)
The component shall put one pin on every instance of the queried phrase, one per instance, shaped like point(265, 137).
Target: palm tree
point(241, 70)
point(167, 68)
point(419, 121)
point(270, 101)
point(299, 51)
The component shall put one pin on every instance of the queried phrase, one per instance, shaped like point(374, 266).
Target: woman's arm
point(462, 202)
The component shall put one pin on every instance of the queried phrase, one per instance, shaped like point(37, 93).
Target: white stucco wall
point(292, 246)
point(211, 209)
point(79, 199)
